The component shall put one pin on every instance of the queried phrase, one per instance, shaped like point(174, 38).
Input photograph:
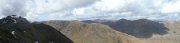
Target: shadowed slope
point(15, 29)
point(141, 28)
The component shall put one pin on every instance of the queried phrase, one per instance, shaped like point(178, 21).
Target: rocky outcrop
point(15, 29)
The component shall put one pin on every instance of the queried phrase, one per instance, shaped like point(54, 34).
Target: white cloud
point(54, 9)
point(149, 9)
point(52, 6)
point(13, 7)
point(95, 9)
point(172, 7)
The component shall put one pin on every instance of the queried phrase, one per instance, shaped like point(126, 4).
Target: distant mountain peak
point(13, 19)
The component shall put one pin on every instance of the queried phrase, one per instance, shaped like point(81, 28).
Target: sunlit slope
point(92, 32)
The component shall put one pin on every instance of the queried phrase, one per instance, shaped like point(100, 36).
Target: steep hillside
point(91, 33)
point(15, 29)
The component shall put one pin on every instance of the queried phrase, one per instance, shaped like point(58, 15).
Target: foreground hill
point(14, 29)
point(91, 32)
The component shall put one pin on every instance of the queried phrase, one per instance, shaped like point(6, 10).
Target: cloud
point(132, 9)
point(54, 8)
point(13, 7)
point(171, 7)
point(36, 10)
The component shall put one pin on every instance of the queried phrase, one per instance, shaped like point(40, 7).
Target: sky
point(42, 10)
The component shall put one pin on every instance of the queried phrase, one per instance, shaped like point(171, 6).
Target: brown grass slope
point(91, 33)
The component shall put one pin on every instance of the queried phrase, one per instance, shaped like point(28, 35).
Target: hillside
point(173, 35)
point(91, 33)
point(141, 28)
point(16, 29)
point(121, 31)
point(147, 30)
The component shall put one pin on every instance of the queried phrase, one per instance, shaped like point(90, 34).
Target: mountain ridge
point(165, 32)
point(16, 29)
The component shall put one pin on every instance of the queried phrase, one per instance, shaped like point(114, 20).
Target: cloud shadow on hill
point(141, 28)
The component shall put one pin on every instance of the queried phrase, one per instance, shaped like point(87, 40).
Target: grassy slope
point(99, 33)
point(92, 33)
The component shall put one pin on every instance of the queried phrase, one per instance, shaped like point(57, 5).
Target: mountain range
point(120, 31)
point(16, 29)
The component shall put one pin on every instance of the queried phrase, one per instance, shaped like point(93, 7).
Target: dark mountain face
point(15, 29)
point(141, 28)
